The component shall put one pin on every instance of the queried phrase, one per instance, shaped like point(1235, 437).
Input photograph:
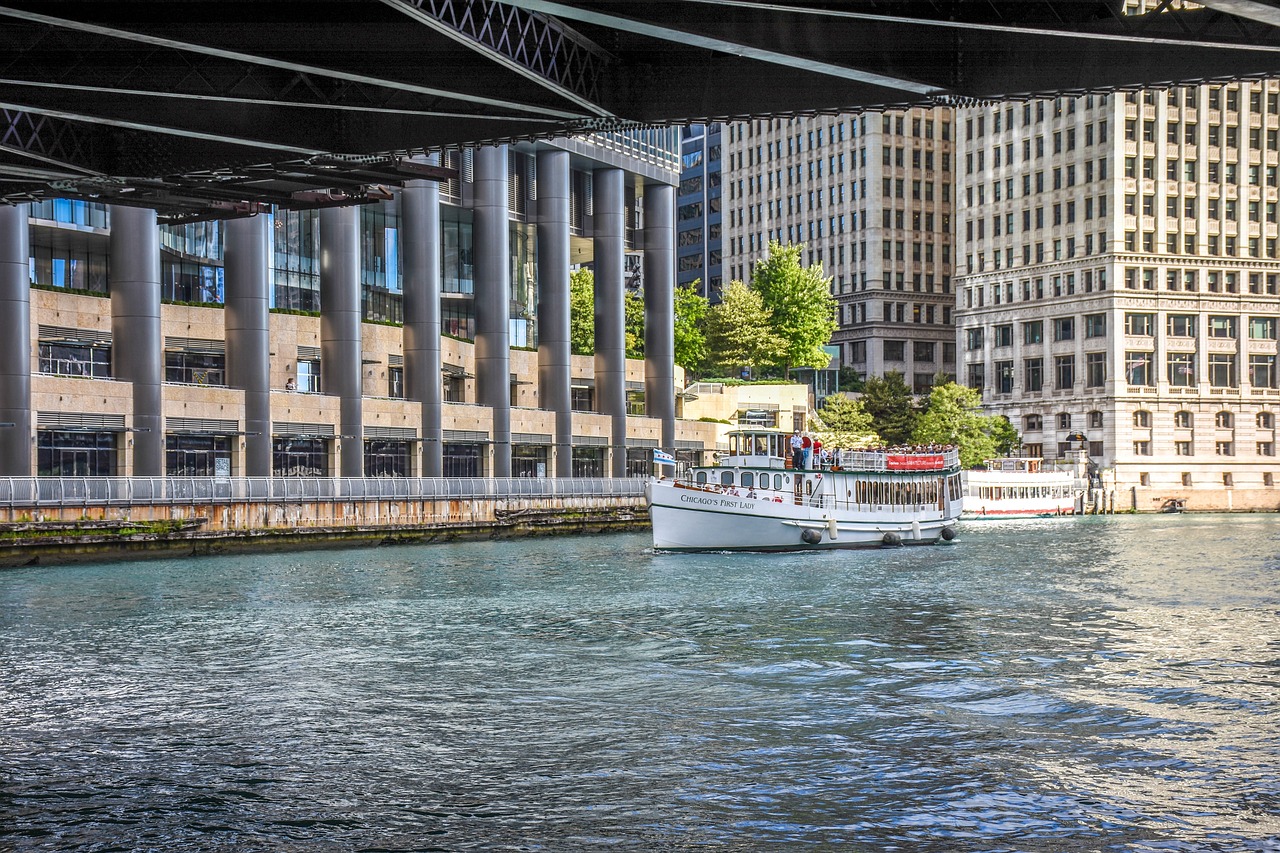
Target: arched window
point(1266, 420)
point(1142, 418)
point(726, 478)
point(1183, 419)
point(701, 477)
point(1095, 420)
point(1224, 420)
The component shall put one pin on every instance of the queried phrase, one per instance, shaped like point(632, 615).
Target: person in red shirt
point(817, 453)
point(806, 445)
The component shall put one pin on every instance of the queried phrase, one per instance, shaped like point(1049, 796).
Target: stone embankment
point(65, 520)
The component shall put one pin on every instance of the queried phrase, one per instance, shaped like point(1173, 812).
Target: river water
point(1088, 684)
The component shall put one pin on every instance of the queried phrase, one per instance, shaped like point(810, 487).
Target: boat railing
point(900, 460)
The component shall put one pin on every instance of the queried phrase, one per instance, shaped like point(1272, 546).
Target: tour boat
point(1019, 487)
point(753, 501)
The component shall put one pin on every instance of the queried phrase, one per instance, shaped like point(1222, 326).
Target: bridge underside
point(204, 108)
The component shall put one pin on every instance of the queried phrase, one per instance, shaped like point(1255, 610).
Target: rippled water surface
point(1095, 684)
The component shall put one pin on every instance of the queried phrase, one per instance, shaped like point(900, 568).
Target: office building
point(870, 197)
point(698, 215)
point(1120, 284)
point(424, 335)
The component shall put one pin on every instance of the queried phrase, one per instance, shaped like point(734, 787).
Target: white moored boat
point(1022, 488)
point(752, 501)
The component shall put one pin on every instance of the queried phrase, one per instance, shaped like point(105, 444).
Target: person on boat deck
point(806, 444)
point(817, 453)
point(797, 451)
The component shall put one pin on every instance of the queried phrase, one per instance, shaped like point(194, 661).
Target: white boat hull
point(691, 519)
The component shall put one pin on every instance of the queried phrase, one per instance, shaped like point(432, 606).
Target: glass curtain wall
point(295, 264)
point(73, 453)
point(381, 290)
point(196, 455)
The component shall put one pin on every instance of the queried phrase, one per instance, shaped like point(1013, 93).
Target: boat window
point(701, 477)
point(726, 478)
point(777, 482)
point(748, 479)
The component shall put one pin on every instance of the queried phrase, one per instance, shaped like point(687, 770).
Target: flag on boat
point(661, 457)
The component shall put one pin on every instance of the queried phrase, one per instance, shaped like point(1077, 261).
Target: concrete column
point(341, 372)
point(247, 325)
point(15, 341)
point(611, 342)
point(493, 297)
point(659, 308)
point(137, 351)
point(420, 224)
point(554, 352)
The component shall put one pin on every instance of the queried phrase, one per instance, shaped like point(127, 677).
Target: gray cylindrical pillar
point(659, 308)
point(247, 324)
point(611, 341)
point(420, 226)
point(15, 342)
point(340, 357)
point(554, 350)
point(137, 349)
point(493, 298)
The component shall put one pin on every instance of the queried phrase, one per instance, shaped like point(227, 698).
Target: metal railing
point(905, 460)
point(124, 491)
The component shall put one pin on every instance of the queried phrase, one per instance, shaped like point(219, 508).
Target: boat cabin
point(758, 447)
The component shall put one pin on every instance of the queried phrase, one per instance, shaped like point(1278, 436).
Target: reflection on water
point(1060, 685)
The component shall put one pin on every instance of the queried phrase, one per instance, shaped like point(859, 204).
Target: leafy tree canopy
point(954, 416)
point(843, 423)
point(582, 320)
point(891, 405)
point(738, 331)
point(691, 329)
point(801, 305)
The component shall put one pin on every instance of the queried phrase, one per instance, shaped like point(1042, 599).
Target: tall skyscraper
point(1119, 286)
point(698, 214)
point(870, 197)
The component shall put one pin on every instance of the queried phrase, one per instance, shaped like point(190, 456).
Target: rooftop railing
point(125, 491)
point(903, 460)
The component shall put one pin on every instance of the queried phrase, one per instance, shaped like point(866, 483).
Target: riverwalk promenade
point(46, 519)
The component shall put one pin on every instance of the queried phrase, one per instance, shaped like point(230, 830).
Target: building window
point(1182, 325)
point(1033, 374)
point(1095, 325)
point(1032, 423)
point(75, 454)
point(1262, 371)
point(895, 350)
point(1033, 332)
point(1222, 326)
point(467, 459)
point(923, 351)
point(977, 376)
point(196, 455)
point(530, 460)
point(1183, 419)
point(1142, 448)
point(1095, 420)
point(1224, 420)
point(1142, 418)
point(308, 375)
point(1064, 420)
point(1004, 377)
point(1266, 420)
point(1262, 328)
point(76, 359)
point(1140, 368)
point(383, 458)
point(1004, 335)
point(1186, 478)
point(1142, 324)
point(295, 456)
point(395, 382)
point(1064, 329)
point(1222, 370)
point(1227, 479)
point(1095, 369)
point(1064, 367)
point(588, 461)
point(195, 368)
point(973, 339)
point(1183, 448)
point(1182, 369)
point(1266, 448)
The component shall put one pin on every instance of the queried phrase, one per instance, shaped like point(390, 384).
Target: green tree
point(582, 319)
point(1008, 442)
point(582, 313)
point(799, 298)
point(633, 324)
point(892, 407)
point(954, 416)
point(691, 329)
point(843, 423)
point(738, 331)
